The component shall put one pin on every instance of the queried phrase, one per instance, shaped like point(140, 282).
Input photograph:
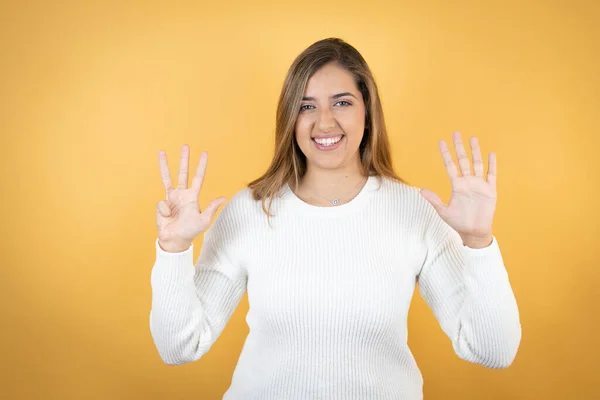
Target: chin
point(327, 164)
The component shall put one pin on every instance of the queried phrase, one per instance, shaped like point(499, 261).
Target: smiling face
point(331, 122)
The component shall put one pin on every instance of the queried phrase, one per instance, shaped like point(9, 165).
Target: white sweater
point(329, 290)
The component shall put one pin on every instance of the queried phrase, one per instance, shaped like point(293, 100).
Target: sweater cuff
point(173, 266)
point(485, 262)
point(483, 251)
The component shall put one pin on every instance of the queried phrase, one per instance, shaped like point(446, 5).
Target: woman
point(329, 244)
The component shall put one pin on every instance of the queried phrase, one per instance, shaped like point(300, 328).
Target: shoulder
point(230, 228)
point(403, 194)
point(238, 212)
point(240, 201)
point(237, 205)
point(407, 200)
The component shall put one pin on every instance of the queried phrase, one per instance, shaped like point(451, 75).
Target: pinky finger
point(163, 208)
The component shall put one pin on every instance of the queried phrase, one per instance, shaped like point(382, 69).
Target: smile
point(328, 143)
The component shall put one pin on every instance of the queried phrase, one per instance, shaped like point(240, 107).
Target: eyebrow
point(335, 96)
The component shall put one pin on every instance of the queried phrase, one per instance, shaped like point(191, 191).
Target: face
point(331, 122)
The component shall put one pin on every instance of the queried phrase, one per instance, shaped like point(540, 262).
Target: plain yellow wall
point(92, 91)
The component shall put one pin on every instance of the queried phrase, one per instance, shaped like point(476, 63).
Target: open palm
point(178, 218)
point(472, 205)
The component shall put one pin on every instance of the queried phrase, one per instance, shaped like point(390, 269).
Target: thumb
point(212, 207)
point(434, 200)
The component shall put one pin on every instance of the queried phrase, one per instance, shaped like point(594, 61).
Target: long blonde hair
point(288, 161)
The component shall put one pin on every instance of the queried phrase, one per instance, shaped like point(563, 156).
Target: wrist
point(479, 242)
point(173, 246)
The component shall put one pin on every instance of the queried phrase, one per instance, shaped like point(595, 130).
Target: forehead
point(330, 79)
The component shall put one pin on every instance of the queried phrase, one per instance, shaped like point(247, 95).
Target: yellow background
point(92, 91)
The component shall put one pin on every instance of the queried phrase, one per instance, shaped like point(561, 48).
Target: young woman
point(329, 244)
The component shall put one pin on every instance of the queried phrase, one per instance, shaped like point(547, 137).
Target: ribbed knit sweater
point(329, 290)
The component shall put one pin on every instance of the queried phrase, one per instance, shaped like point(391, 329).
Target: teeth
point(328, 141)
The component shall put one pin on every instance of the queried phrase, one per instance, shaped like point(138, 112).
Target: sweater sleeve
point(192, 303)
point(470, 295)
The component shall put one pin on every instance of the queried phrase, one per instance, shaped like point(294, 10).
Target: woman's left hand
point(473, 202)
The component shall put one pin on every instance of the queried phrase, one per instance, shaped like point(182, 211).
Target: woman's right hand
point(178, 218)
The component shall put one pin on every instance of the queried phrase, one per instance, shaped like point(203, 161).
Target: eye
point(305, 107)
point(346, 103)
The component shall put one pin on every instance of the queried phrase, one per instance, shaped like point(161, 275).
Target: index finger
point(164, 172)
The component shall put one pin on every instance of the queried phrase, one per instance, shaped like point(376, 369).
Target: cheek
point(353, 124)
point(302, 128)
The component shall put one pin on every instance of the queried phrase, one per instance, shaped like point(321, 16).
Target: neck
point(330, 179)
point(329, 184)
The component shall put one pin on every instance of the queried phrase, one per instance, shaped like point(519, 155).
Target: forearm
point(470, 294)
point(191, 304)
point(488, 329)
point(177, 321)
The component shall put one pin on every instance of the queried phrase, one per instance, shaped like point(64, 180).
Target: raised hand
point(473, 202)
point(178, 218)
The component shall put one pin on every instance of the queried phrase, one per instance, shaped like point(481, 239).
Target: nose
point(326, 120)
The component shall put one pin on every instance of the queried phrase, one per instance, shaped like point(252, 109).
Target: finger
point(164, 172)
point(434, 200)
point(200, 171)
point(461, 154)
point(183, 167)
point(477, 160)
point(213, 206)
point(163, 208)
point(448, 161)
point(491, 175)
